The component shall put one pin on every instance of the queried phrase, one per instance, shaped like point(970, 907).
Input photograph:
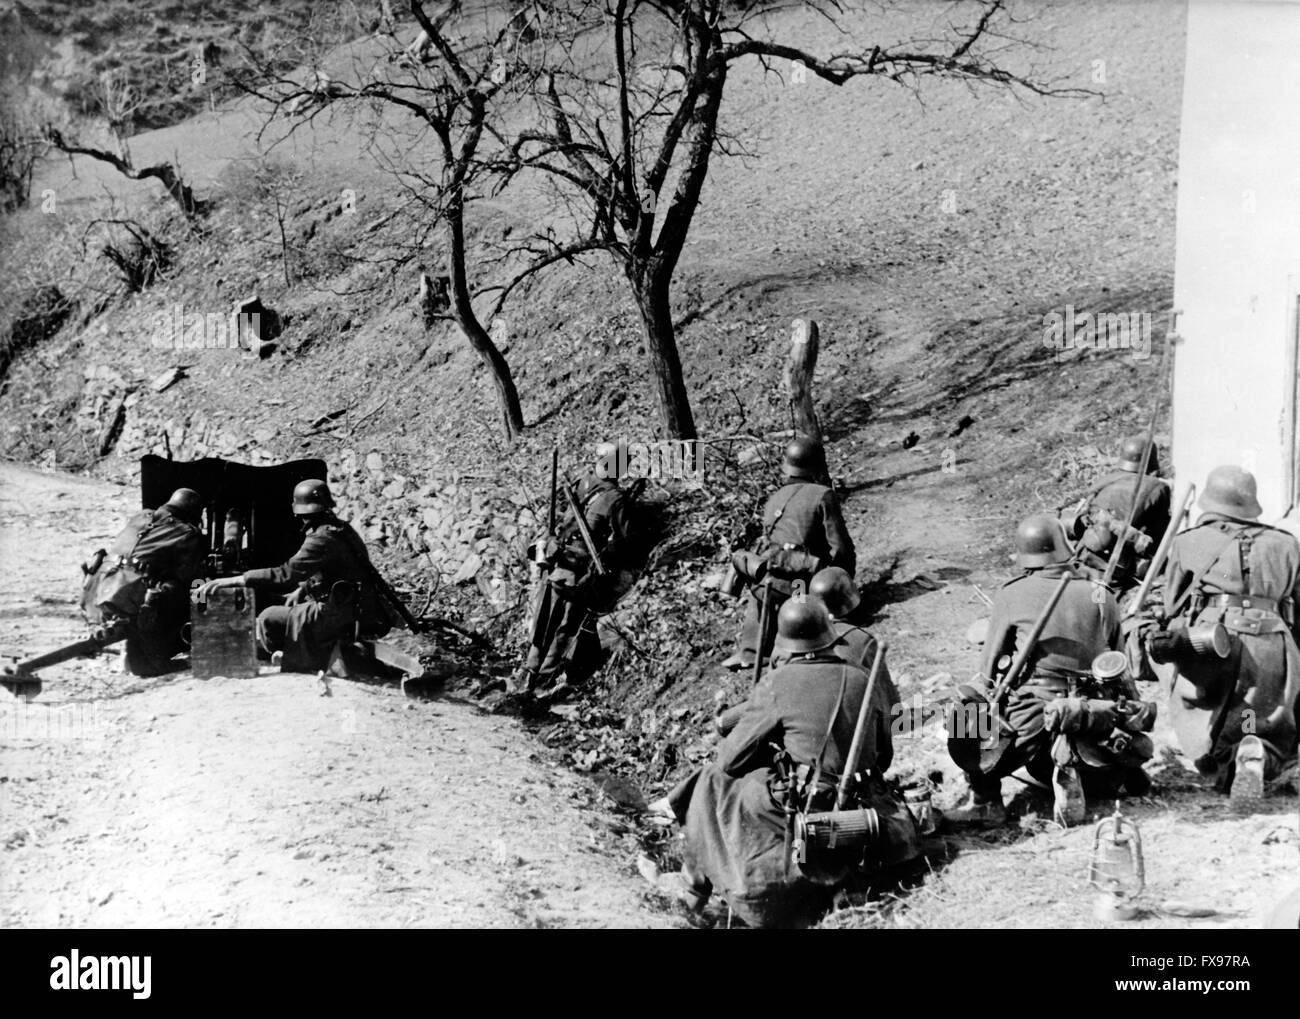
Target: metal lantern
point(1117, 869)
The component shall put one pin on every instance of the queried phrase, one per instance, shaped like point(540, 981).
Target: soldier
point(1234, 716)
point(332, 596)
point(565, 649)
point(145, 588)
point(734, 824)
point(1107, 508)
point(803, 532)
point(835, 589)
point(1044, 725)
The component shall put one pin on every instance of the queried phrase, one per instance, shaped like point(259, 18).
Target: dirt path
point(249, 803)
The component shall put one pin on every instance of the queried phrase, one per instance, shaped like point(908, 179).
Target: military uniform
point(1246, 576)
point(1084, 623)
point(337, 597)
point(855, 646)
point(1107, 510)
point(804, 531)
point(145, 580)
point(565, 647)
point(734, 825)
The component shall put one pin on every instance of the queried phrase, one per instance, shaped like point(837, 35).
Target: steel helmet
point(803, 458)
point(186, 504)
point(1040, 541)
point(311, 496)
point(1130, 456)
point(835, 589)
point(802, 626)
point(1231, 491)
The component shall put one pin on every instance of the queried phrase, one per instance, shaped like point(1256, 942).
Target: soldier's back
point(1082, 625)
point(1214, 550)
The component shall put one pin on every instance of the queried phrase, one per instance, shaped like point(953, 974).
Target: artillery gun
point(247, 523)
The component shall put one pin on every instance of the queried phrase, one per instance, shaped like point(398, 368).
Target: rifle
point(425, 623)
point(541, 610)
point(764, 614)
point(1162, 553)
point(584, 530)
point(555, 474)
point(1123, 535)
point(855, 748)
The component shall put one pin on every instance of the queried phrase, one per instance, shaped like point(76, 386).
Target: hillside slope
point(929, 236)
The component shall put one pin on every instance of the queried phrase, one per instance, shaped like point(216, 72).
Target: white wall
point(1237, 267)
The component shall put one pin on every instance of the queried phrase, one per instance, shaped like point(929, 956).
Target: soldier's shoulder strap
point(1198, 578)
point(780, 505)
point(1014, 580)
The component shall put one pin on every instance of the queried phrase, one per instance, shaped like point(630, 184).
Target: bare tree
point(118, 103)
point(628, 121)
point(445, 83)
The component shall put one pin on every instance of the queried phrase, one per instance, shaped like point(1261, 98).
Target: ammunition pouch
point(1251, 615)
point(750, 567)
point(790, 562)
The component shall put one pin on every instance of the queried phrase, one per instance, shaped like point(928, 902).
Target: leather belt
point(1245, 601)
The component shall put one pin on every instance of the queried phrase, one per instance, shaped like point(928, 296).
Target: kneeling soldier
point(803, 531)
point(1232, 696)
point(795, 735)
point(1059, 716)
point(142, 584)
point(333, 594)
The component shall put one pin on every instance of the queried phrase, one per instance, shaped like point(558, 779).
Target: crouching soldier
point(1059, 718)
point(1233, 669)
point(803, 531)
point(1105, 511)
point(142, 584)
point(332, 591)
point(745, 815)
point(564, 649)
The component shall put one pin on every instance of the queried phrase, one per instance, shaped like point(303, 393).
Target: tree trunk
point(651, 286)
point(805, 342)
point(462, 309)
